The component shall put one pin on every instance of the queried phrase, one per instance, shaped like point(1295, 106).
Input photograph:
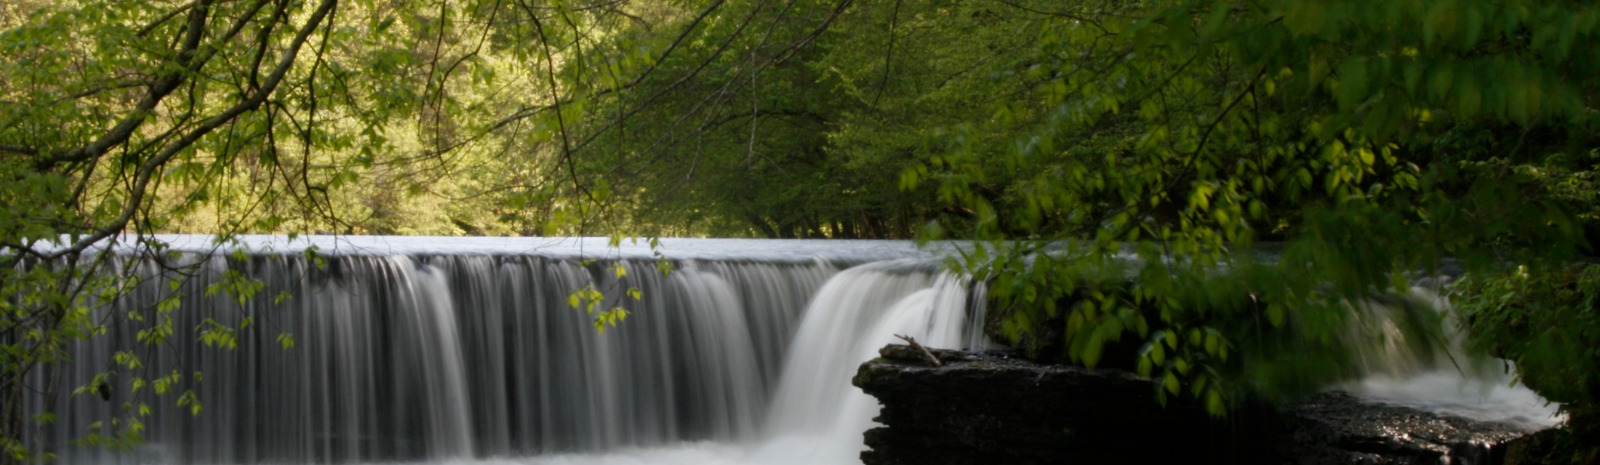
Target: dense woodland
point(1365, 141)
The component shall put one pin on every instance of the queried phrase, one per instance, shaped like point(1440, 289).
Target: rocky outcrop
point(988, 407)
point(1338, 428)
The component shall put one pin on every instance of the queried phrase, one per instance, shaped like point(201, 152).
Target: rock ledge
point(988, 407)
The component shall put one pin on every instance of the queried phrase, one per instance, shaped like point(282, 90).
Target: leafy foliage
point(122, 119)
point(1547, 322)
point(1363, 141)
point(1185, 133)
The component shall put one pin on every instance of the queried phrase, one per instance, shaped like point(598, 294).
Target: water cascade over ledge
point(420, 350)
point(469, 350)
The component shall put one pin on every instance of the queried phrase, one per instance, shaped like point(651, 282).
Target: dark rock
point(990, 407)
point(1339, 428)
point(1542, 448)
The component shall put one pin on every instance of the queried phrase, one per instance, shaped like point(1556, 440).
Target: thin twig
point(925, 352)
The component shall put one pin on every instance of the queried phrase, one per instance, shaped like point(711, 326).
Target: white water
point(852, 316)
point(1455, 383)
point(1446, 391)
point(465, 351)
point(468, 352)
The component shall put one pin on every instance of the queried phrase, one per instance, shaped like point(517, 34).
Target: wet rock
point(989, 407)
point(1338, 428)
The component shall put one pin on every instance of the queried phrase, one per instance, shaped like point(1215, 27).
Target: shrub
point(1547, 322)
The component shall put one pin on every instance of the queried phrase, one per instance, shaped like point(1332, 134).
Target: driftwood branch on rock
point(928, 355)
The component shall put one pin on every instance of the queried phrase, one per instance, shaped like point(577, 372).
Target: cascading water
point(410, 350)
point(1450, 381)
point(466, 350)
point(852, 316)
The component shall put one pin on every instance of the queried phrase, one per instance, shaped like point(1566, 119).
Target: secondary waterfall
point(1452, 382)
point(434, 350)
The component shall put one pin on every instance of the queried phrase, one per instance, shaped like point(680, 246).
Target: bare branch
point(654, 65)
point(164, 18)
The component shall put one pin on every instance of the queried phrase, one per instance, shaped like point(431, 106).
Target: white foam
point(1448, 392)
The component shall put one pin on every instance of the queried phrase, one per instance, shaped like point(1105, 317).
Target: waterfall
point(1450, 382)
point(851, 317)
point(466, 350)
point(419, 350)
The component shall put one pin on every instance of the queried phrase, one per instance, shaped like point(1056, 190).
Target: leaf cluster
point(1354, 147)
point(1545, 321)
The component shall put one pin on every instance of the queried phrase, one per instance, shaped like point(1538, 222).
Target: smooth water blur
point(428, 349)
point(1444, 380)
point(852, 316)
point(467, 351)
point(1447, 391)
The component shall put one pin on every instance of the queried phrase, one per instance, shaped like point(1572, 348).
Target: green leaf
point(1214, 404)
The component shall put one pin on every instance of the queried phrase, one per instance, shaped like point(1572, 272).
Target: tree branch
point(148, 169)
point(190, 57)
point(18, 149)
point(654, 64)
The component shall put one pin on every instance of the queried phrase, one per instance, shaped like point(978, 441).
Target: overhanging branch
point(148, 169)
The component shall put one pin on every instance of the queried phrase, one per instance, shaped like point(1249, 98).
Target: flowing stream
point(468, 350)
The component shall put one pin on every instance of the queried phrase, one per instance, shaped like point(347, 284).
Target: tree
point(1060, 136)
point(121, 119)
point(731, 134)
point(102, 101)
point(1190, 131)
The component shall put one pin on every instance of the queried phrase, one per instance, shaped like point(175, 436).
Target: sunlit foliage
point(1080, 143)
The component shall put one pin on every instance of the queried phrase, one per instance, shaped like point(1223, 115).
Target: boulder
point(989, 408)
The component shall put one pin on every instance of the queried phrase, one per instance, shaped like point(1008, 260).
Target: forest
point(1365, 143)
